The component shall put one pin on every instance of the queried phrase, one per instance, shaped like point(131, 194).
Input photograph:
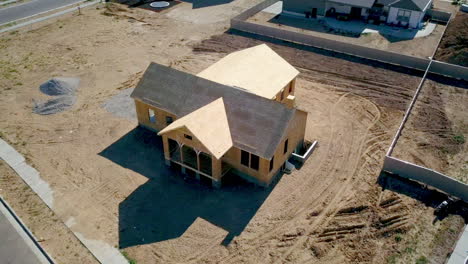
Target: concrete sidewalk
point(17, 245)
point(460, 253)
point(30, 175)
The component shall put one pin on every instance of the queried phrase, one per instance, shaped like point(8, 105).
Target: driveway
point(15, 12)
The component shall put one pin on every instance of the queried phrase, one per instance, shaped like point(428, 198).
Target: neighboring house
point(408, 13)
point(355, 9)
point(237, 115)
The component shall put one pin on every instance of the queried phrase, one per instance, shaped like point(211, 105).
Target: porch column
point(181, 145)
point(216, 172)
point(167, 154)
point(197, 175)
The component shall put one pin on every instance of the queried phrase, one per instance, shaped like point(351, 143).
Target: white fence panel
point(427, 176)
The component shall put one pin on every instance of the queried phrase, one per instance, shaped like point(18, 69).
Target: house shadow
point(350, 29)
point(206, 3)
point(430, 197)
point(145, 4)
point(166, 205)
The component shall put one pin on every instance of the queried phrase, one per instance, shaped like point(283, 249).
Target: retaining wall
point(450, 70)
point(427, 176)
point(439, 15)
point(253, 10)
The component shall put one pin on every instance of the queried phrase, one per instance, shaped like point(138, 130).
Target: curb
point(8, 2)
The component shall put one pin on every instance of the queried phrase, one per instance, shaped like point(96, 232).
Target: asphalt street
point(23, 10)
point(16, 247)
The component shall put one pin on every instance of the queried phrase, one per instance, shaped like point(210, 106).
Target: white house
point(407, 12)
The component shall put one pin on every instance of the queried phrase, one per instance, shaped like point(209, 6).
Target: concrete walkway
point(460, 253)
point(102, 251)
point(17, 245)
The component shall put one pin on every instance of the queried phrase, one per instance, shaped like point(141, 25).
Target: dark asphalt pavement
point(15, 12)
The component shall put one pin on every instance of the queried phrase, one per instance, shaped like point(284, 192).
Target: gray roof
point(416, 5)
point(257, 124)
point(386, 2)
point(357, 3)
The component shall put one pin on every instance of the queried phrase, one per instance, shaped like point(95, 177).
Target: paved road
point(16, 247)
point(30, 8)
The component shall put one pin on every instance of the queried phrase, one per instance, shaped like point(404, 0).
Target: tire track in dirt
point(330, 210)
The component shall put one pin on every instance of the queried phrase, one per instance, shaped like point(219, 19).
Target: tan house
point(237, 115)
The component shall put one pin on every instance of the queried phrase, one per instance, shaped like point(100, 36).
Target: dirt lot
point(454, 45)
point(437, 130)
point(110, 184)
point(419, 47)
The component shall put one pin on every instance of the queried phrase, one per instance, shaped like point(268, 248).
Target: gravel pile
point(121, 105)
point(63, 90)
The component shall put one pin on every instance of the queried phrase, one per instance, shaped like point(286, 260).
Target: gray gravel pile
point(60, 86)
point(121, 105)
point(63, 90)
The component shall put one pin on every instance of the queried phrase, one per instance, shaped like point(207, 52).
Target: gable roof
point(386, 2)
point(256, 124)
point(416, 5)
point(258, 69)
point(357, 3)
point(209, 124)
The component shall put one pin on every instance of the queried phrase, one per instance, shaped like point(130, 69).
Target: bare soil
point(418, 47)
point(437, 130)
point(454, 45)
point(109, 177)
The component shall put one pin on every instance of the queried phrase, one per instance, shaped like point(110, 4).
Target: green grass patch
point(459, 139)
point(129, 259)
point(422, 260)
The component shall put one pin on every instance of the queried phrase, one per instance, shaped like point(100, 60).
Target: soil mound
point(454, 45)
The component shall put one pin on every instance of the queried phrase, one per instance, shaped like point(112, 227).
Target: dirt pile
point(454, 45)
